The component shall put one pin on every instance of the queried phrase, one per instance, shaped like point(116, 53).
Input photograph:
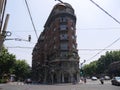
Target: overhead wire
point(31, 18)
point(92, 28)
point(21, 47)
point(104, 49)
point(112, 42)
point(107, 28)
point(97, 49)
point(78, 49)
point(81, 49)
point(105, 11)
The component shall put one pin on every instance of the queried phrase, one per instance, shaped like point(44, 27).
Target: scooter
point(102, 81)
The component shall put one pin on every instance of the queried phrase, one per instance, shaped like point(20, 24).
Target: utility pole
point(3, 32)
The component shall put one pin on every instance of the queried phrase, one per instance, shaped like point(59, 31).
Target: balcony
point(63, 48)
point(63, 27)
point(63, 37)
point(68, 11)
point(64, 60)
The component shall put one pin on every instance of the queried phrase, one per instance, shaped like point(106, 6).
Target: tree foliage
point(22, 69)
point(101, 65)
point(10, 65)
point(7, 61)
point(90, 69)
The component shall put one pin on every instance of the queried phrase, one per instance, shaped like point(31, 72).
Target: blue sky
point(95, 29)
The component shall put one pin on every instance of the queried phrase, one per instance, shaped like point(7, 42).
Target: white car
point(94, 78)
point(107, 78)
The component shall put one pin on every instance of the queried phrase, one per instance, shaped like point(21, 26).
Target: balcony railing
point(63, 11)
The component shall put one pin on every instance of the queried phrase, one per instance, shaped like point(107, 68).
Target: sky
point(95, 30)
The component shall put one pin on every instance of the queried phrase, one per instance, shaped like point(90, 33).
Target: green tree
point(90, 69)
point(102, 64)
point(9, 65)
point(22, 70)
point(7, 62)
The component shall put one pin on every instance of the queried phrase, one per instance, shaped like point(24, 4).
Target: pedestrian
point(85, 80)
point(102, 80)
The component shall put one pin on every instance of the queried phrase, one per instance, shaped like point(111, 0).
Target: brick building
point(55, 55)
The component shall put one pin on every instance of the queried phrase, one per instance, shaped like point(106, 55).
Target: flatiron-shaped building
point(55, 55)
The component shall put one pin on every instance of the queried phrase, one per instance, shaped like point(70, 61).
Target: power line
point(105, 12)
point(112, 42)
point(78, 49)
point(31, 18)
point(104, 48)
point(21, 47)
point(92, 28)
point(98, 49)
point(107, 28)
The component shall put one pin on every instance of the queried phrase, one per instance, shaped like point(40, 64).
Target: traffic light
point(29, 38)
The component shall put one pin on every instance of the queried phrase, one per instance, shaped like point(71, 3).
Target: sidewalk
point(16, 83)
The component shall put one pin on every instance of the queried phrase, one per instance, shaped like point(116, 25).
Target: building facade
point(55, 55)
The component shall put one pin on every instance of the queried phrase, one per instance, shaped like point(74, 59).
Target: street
point(90, 85)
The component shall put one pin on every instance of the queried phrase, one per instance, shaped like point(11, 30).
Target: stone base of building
point(67, 72)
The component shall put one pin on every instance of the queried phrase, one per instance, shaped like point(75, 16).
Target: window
point(54, 47)
point(64, 46)
point(63, 27)
point(41, 37)
point(54, 29)
point(63, 37)
point(63, 19)
point(64, 54)
point(54, 38)
point(45, 45)
point(70, 10)
point(73, 37)
point(73, 46)
point(57, 11)
point(72, 28)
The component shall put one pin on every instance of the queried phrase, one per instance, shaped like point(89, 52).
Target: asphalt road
point(90, 85)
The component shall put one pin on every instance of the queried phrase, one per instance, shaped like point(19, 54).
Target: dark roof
point(64, 4)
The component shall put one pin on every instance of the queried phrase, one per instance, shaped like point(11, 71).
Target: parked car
point(106, 77)
point(28, 81)
point(116, 81)
point(94, 78)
